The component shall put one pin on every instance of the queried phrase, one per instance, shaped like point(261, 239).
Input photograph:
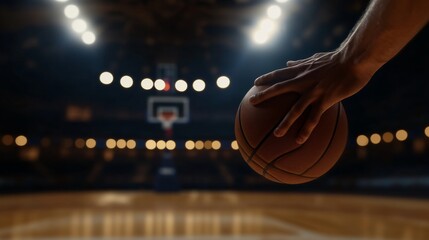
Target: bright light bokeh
point(260, 37)
point(88, 38)
point(267, 26)
point(159, 84)
point(362, 140)
point(110, 143)
point(199, 145)
point(131, 144)
point(427, 131)
point(223, 82)
point(61, 0)
point(121, 143)
point(71, 11)
point(208, 144)
point(234, 145)
point(170, 145)
point(282, 1)
point(199, 85)
point(90, 143)
point(401, 135)
point(181, 85)
point(274, 12)
point(216, 145)
point(264, 30)
point(150, 144)
point(375, 138)
point(126, 81)
point(147, 84)
point(189, 145)
point(79, 25)
point(106, 78)
point(161, 144)
point(21, 140)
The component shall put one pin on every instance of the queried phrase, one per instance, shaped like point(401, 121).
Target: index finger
point(278, 75)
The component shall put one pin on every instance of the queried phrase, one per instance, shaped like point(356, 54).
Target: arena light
point(267, 26)
point(121, 143)
point(170, 145)
point(427, 131)
point(88, 38)
point(362, 140)
point(375, 138)
point(401, 135)
point(199, 85)
point(160, 144)
point(147, 84)
point(90, 143)
point(110, 143)
point(7, 140)
point(150, 144)
point(234, 145)
point(189, 144)
point(159, 84)
point(199, 145)
point(131, 144)
point(181, 85)
point(126, 81)
point(216, 145)
point(208, 144)
point(71, 11)
point(223, 82)
point(274, 12)
point(106, 78)
point(259, 37)
point(79, 25)
point(263, 31)
point(388, 137)
point(21, 140)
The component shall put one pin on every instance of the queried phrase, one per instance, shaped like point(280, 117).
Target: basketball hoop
point(167, 117)
point(168, 111)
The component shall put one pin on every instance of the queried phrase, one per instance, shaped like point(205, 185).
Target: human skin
point(324, 79)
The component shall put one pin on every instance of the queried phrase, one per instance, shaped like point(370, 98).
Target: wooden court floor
point(211, 215)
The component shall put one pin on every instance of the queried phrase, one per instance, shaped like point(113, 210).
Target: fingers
point(312, 58)
point(309, 125)
point(292, 116)
point(292, 63)
point(274, 90)
point(278, 75)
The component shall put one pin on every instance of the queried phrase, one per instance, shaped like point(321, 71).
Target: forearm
point(386, 27)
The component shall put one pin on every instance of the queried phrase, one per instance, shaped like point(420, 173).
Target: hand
point(322, 80)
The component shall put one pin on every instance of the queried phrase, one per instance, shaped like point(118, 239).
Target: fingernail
point(300, 140)
point(278, 133)
point(257, 81)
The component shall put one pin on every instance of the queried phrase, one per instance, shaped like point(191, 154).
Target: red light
point(167, 86)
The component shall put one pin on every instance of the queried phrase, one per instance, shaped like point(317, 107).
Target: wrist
point(360, 62)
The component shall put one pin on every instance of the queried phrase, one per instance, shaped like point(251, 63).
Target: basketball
point(281, 159)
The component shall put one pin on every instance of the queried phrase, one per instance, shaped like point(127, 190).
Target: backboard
point(167, 110)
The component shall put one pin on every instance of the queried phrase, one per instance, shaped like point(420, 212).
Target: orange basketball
point(282, 159)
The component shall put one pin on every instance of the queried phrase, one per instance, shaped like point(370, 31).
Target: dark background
point(46, 72)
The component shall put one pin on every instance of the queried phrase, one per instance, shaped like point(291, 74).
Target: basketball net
point(167, 118)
